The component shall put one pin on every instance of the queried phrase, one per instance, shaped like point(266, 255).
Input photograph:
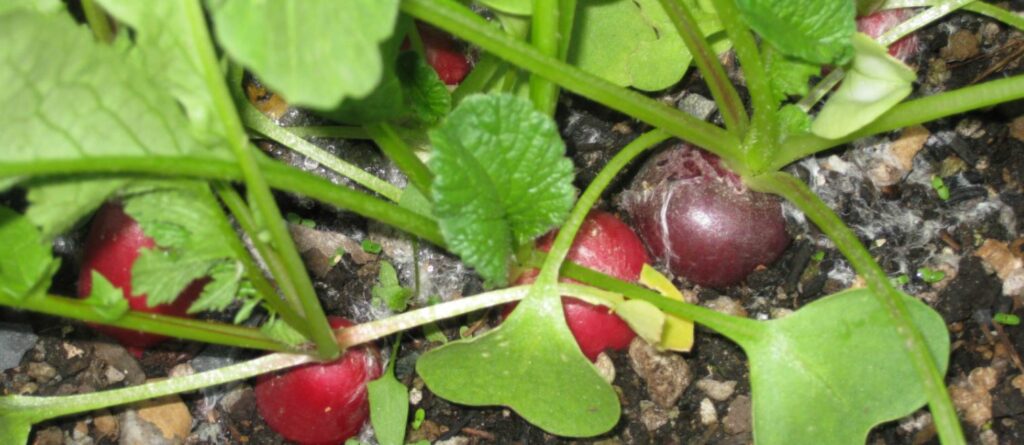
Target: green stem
point(462, 22)
point(566, 22)
point(328, 131)
point(821, 89)
point(261, 124)
point(846, 241)
point(563, 241)
point(280, 176)
point(484, 72)
point(761, 145)
point(722, 89)
point(922, 19)
point(402, 155)
point(415, 39)
point(98, 21)
point(911, 113)
point(240, 210)
point(38, 409)
point(545, 39)
point(997, 13)
point(199, 330)
point(256, 184)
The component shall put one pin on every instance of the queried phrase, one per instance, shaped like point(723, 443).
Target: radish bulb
point(701, 220)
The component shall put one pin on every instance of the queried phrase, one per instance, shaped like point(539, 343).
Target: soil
point(891, 205)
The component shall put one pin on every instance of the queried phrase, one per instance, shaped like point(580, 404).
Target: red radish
point(320, 403)
point(698, 217)
point(444, 54)
point(877, 23)
point(113, 244)
point(606, 244)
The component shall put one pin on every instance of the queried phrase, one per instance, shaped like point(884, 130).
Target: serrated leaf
point(162, 275)
point(220, 292)
point(531, 364)
point(188, 227)
point(426, 96)
point(277, 329)
point(51, 72)
point(678, 332)
point(106, 300)
point(389, 408)
point(633, 43)
point(517, 7)
point(834, 369)
point(410, 94)
point(817, 31)
point(793, 120)
point(26, 261)
point(875, 83)
point(789, 76)
point(501, 176)
point(320, 51)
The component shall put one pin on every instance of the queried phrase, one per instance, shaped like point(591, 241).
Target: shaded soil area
point(881, 186)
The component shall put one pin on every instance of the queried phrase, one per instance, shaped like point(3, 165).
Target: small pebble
point(164, 421)
point(41, 372)
point(665, 373)
point(727, 306)
point(738, 419)
point(105, 425)
point(605, 367)
point(708, 415)
point(717, 390)
point(973, 398)
point(962, 45)
point(654, 416)
point(15, 340)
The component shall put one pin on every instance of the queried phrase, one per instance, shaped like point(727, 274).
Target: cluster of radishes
point(692, 214)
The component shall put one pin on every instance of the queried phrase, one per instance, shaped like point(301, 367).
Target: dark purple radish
point(701, 220)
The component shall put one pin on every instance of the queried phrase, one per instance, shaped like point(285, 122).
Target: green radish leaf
point(14, 430)
point(389, 408)
point(426, 95)
point(518, 7)
point(57, 204)
point(644, 318)
point(834, 369)
point(320, 51)
point(46, 6)
point(875, 83)
point(51, 68)
point(220, 292)
point(531, 364)
point(167, 51)
point(389, 290)
point(281, 331)
point(817, 31)
point(187, 224)
point(411, 94)
point(793, 120)
point(788, 76)
point(106, 300)
point(634, 43)
point(26, 262)
point(501, 178)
